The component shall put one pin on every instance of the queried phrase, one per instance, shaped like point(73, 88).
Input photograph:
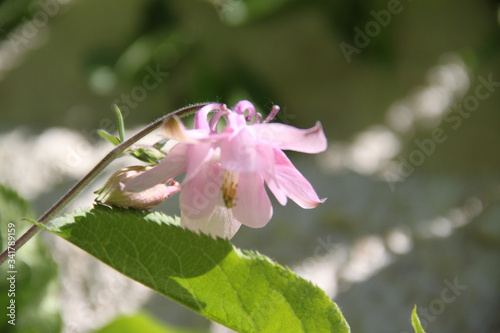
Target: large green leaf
point(240, 289)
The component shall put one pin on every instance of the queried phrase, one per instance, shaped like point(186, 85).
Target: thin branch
point(76, 189)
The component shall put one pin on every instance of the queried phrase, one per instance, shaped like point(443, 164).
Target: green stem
point(76, 189)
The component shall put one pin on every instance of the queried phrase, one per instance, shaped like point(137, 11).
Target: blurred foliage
point(138, 323)
point(14, 12)
point(272, 52)
point(35, 296)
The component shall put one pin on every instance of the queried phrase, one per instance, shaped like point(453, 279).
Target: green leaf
point(148, 155)
point(111, 138)
point(121, 123)
point(415, 322)
point(242, 290)
point(138, 323)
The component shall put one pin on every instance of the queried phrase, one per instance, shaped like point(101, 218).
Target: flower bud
point(113, 194)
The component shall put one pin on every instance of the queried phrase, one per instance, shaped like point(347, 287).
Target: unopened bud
point(112, 192)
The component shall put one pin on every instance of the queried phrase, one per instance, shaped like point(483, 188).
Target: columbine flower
point(113, 192)
point(226, 168)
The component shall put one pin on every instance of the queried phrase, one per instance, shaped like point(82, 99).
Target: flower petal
point(172, 165)
point(253, 207)
point(198, 155)
point(293, 183)
point(275, 189)
point(220, 223)
point(287, 137)
point(243, 106)
point(242, 154)
point(201, 193)
point(201, 117)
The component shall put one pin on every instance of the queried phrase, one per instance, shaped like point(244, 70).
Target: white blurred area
point(372, 151)
point(36, 164)
point(91, 293)
point(33, 165)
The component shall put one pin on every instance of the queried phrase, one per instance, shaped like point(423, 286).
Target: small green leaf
point(160, 144)
point(148, 155)
point(121, 123)
point(105, 135)
point(242, 290)
point(415, 322)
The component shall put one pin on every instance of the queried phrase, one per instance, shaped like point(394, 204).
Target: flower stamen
point(229, 185)
point(274, 111)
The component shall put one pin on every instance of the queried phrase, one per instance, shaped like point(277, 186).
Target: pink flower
point(226, 164)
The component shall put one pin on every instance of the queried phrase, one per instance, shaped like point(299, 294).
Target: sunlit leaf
point(242, 290)
point(415, 322)
point(111, 138)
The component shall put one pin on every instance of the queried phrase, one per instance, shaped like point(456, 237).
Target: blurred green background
point(408, 207)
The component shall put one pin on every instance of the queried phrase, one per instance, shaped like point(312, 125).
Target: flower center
point(229, 185)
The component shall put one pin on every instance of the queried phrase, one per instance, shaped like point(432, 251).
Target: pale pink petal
point(293, 183)
point(198, 155)
point(242, 154)
point(172, 165)
point(243, 106)
point(275, 189)
point(287, 137)
point(220, 222)
point(252, 207)
point(200, 194)
point(235, 122)
point(201, 117)
point(214, 121)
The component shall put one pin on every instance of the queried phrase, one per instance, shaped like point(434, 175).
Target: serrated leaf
point(415, 322)
point(242, 290)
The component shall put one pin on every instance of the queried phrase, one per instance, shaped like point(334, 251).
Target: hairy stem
point(76, 189)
